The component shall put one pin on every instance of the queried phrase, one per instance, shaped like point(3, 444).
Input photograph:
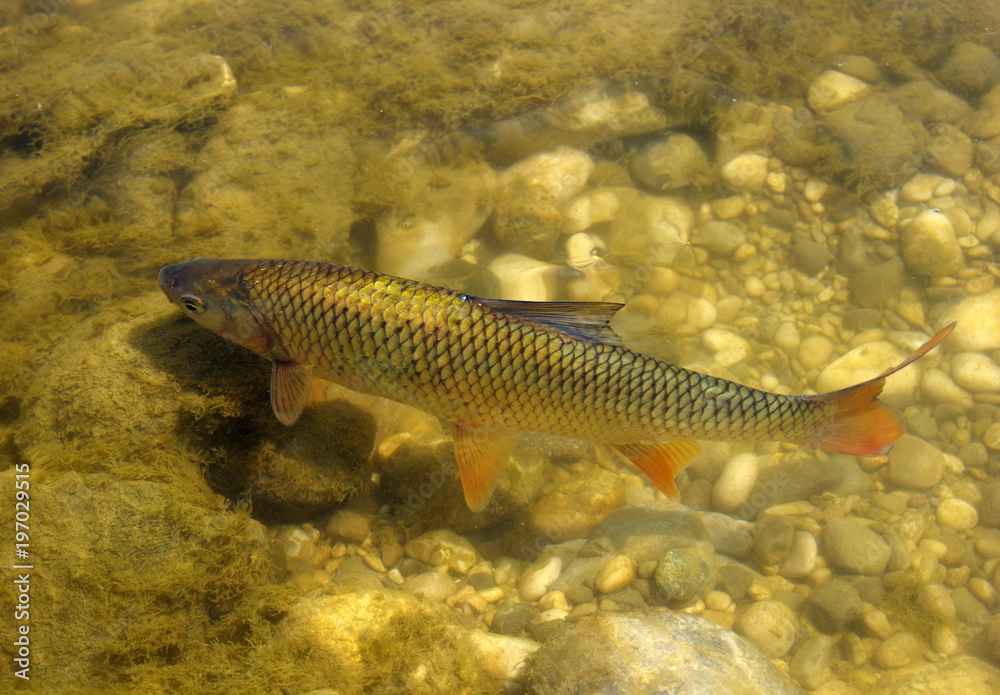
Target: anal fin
point(660, 461)
point(481, 453)
point(291, 383)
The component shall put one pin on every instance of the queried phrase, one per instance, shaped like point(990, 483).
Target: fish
point(493, 367)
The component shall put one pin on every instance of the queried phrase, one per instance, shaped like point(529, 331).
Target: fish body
point(491, 367)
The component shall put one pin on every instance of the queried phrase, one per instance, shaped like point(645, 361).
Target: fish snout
point(167, 278)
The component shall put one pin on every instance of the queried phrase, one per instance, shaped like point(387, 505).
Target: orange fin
point(587, 320)
point(291, 383)
point(857, 423)
point(481, 453)
point(660, 461)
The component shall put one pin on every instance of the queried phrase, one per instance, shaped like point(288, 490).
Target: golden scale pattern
point(449, 355)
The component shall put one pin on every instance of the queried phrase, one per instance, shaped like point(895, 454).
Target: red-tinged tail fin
point(660, 461)
point(857, 424)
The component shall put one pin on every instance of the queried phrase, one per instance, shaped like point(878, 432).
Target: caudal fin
point(857, 423)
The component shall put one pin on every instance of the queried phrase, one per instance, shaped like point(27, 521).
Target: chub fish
point(492, 367)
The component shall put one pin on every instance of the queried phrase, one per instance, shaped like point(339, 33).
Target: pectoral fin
point(481, 452)
point(291, 383)
point(660, 461)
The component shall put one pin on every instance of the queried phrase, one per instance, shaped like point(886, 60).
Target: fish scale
point(493, 366)
point(291, 296)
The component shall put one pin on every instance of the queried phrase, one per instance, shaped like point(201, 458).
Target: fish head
point(211, 291)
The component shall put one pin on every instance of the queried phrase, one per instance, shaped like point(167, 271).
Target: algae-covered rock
point(254, 199)
point(394, 642)
point(163, 394)
point(120, 386)
point(652, 651)
point(137, 573)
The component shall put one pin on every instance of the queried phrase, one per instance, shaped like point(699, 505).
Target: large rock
point(654, 651)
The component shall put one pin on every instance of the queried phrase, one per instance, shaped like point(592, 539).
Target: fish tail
point(858, 424)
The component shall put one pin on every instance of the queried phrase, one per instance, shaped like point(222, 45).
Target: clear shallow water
point(855, 213)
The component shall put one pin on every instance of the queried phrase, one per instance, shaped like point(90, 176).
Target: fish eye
point(193, 304)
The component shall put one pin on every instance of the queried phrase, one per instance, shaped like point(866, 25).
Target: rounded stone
point(443, 547)
point(430, 586)
point(979, 317)
point(815, 351)
point(866, 362)
point(900, 650)
point(936, 599)
point(348, 526)
point(772, 538)
point(956, 514)
point(734, 485)
point(615, 575)
point(801, 558)
point(720, 237)
point(701, 313)
point(855, 548)
point(768, 626)
point(539, 577)
point(746, 172)
point(833, 89)
point(971, 69)
point(671, 163)
point(728, 348)
point(787, 337)
point(915, 464)
point(929, 245)
point(810, 660)
point(944, 640)
point(975, 372)
point(679, 575)
point(573, 509)
point(834, 605)
point(512, 618)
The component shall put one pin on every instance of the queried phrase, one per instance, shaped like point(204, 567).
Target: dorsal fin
point(586, 320)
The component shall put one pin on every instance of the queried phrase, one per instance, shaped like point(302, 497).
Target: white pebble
point(754, 286)
point(956, 514)
point(735, 483)
point(615, 575)
point(814, 190)
point(701, 313)
point(920, 188)
point(539, 577)
point(593, 207)
point(718, 600)
point(801, 558)
point(729, 348)
point(746, 172)
point(787, 337)
point(975, 372)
